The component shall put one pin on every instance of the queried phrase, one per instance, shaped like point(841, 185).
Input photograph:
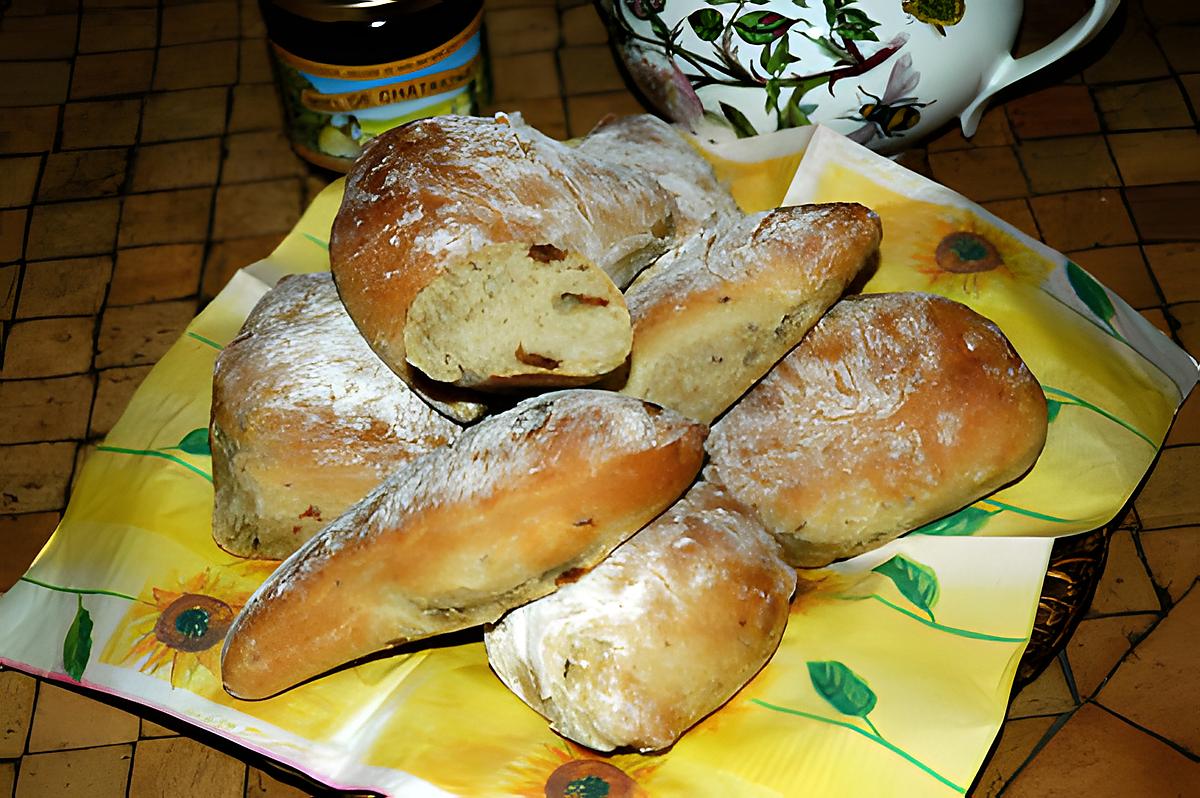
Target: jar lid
point(351, 10)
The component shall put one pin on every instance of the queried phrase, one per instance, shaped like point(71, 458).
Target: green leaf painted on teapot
point(741, 125)
point(660, 27)
point(707, 24)
point(776, 59)
point(856, 26)
point(848, 692)
point(916, 582)
point(772, 89)
point(761, 27)
point(851, 24)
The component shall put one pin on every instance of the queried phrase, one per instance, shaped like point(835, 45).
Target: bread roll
point(464, 533)
point(895, 410)
point(424, 208)
point(648, 145)
point(714, 314)
point(658, 635)
point(306, 420)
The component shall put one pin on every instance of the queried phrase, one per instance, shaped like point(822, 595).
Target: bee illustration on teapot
point(895, 112)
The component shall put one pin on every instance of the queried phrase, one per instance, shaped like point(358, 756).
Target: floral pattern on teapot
point(733, 43)
point(882, 72)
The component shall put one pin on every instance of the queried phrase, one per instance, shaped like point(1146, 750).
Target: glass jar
point(350, 69)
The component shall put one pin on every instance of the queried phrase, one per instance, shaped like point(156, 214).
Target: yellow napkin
point(896, 667)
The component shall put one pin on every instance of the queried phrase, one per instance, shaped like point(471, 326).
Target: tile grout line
point(558, 71)
point(1149, 732)
point(1054, 728)
point(1161, 616)
point(1152, 28)
point(562, 85)
point(1164, 597)
point(37, 693)
point(131, 160)
point(223, 149)
point(1068, 674)
point(97, 327)
point(1145, 637)
point(1028, 205)
point(22, 264)
point(1125, 200)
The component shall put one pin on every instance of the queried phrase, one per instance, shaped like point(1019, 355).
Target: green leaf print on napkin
point(843, 688)
point(77, 647)
point(1092, 294)
point(1053, 406)
point(196, 442)
point(1057, 399)
point(966, 521)
point(850, 695)
point(916, 582)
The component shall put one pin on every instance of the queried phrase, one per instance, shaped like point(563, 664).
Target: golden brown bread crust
point(434, 192)
point(648, 145)
point(306, 420)
point(713, 315)
point(895, 410)
point(657, 636)
point(464, 533)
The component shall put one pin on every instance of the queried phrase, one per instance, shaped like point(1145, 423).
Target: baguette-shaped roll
point(714, 314)
point(464, 533)
point(648, 145)
point(426, 210)
point(895, 410)
point(306, 420)
point(657, 636)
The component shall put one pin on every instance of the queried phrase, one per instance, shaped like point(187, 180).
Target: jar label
point(333, 110)
point(392, 93)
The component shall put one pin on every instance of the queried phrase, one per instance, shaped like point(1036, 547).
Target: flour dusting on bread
point(658, 635)
point(895, 410)
point(466, 532)
point(306, 420)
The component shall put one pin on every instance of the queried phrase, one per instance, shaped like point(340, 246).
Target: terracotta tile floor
point(141, 164)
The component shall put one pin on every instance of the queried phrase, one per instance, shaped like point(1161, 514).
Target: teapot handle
point(1009, 70)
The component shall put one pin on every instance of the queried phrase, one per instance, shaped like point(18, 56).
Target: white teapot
point(883, 72)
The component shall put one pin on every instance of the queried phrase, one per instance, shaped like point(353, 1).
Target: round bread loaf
point(464, 533)
point(657, 636)
point(895, 410)
point(423, 210)
point(716, 312)
point(306, 420)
